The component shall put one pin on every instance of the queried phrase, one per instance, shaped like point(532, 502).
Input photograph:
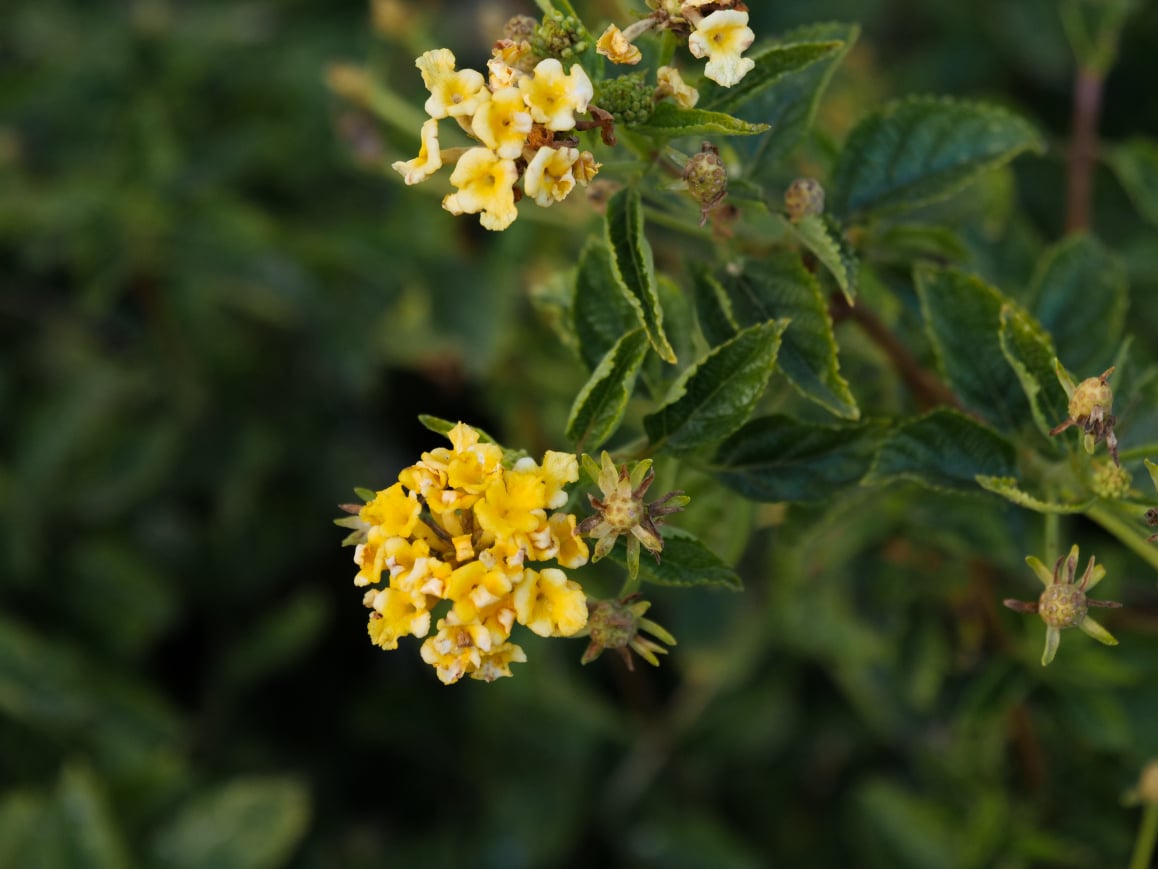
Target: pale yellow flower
point(550, 604)
point(485, 185)
point(554, 97)
point(549, 177)
point(429, 159)
point(722, 37)
point(503, 122)
point(456, 649)
point(671, 84)
point(452, 93)
point(614, 46)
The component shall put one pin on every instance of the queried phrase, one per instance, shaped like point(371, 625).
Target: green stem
point(1145, 451)
point(1111, 521)
point(1147, 838)
point(1052, 526)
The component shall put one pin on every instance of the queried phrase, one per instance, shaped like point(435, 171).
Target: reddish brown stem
point(1083, 149)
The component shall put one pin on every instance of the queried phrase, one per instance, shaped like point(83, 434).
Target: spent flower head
point(1090, 404)
point(619, 625)
point(1064, 603)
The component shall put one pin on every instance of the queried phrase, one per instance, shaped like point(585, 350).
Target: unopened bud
point(629, 100)
point(707, 179)
point(1111, 481)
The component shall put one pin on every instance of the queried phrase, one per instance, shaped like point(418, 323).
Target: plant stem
point(1128, 534)
point(1052, 523)
point(1147, 838)
point(1083, 148)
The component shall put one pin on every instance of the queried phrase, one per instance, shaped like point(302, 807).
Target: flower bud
point(559, 36)
point(629, 100)
point(804, 198)
point(1111, 481)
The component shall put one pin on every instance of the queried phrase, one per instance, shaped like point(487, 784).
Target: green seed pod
point(706, 177)
point(1062, 605)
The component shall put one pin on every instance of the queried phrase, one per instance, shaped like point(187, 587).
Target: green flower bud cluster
point(627, 97)
point(560, 36)
point(1111, 481)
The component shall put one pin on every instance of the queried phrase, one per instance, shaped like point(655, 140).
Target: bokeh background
point(219, 312)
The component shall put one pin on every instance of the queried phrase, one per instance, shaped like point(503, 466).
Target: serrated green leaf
point(1008, 488)
point(685, 562)
point(921, 149)
point(1135, 162)
point(633, 266)
point(715, 396)
point(1028, 350)
point(943, 450)
point(825, 239)
point(713, 307)
point(600, 405)
point(602, 311)
point(780, 286)
point(1079, 294)
point(777, 458)
point(441, 426)
point(249, 823)
point(669, 121)
point(772, 65)
point(962, 317)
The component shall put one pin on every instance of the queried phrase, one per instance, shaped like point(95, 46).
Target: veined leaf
point(684, 562)
point(962, 316)
point(670, 121)
point(1135, 162)
point(602, 311)
point(922, 149)
point(600, 405)
point(713, 307)
point(780, 286)
point(772, 64)
point(943, 450)
point(1008, 488)
point(633, 265)
point(1079, 294)
point(715, 396)
point(1028, 350)
point(825, 239)
point(776, 458)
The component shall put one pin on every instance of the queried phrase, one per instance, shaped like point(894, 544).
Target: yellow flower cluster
point(460, 526)
point(514, 115)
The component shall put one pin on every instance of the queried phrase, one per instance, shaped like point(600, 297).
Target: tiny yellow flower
point(452, 93)
point(397, 614)
point(549, 177)
point(394, 509)
point(503, 122)
point(614, 46)
point(722, 37)
point(429, 159)
point(553, 97)
point(512, 506)
point(456, 649)
point(497, 663)
point(550, 604)
point(475, 582)
point(671, 84)
point(485, 185)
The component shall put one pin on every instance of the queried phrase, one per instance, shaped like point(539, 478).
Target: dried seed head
point(1063, 605)
point(707, 179)
point(1092, 399)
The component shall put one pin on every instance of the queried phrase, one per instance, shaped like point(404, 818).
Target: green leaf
point(962, 317)
point(922, 149)
point(670, 121)
point(250, 823)
point(685, 562)
point(713, 307)
point(633, 266)
point(286, 632)
point(776, 458)
point(780, 286)
point(1079, 294)
point(904, 243)
point(1029, 351)
point(600, 405)
point(715, 396)
point(441, 426)
point(772, 65)
point(1135, 162)
point(825, 239)
point(1008, 488)
point(602, 311)
point(943, 450)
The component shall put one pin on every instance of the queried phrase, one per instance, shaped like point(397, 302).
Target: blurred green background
point(218, 313)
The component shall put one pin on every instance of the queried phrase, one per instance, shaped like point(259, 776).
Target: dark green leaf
point(284, 634)
point(715, 396)
point(685, 562)
point(670, 121)
point(825, 239)
point(1028, 350)
point(1079, 294)
point(777, 458)
point(633, 266)
point(1010, 489)
point(603, 312)
point(962, 316)
point(904, 243)
point(1135, 162)
point(943, 450)
point(246, 824)
point(780, 286)
point(713, 307)
point(922, 149)
point(600, 405)
point(772, 65)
